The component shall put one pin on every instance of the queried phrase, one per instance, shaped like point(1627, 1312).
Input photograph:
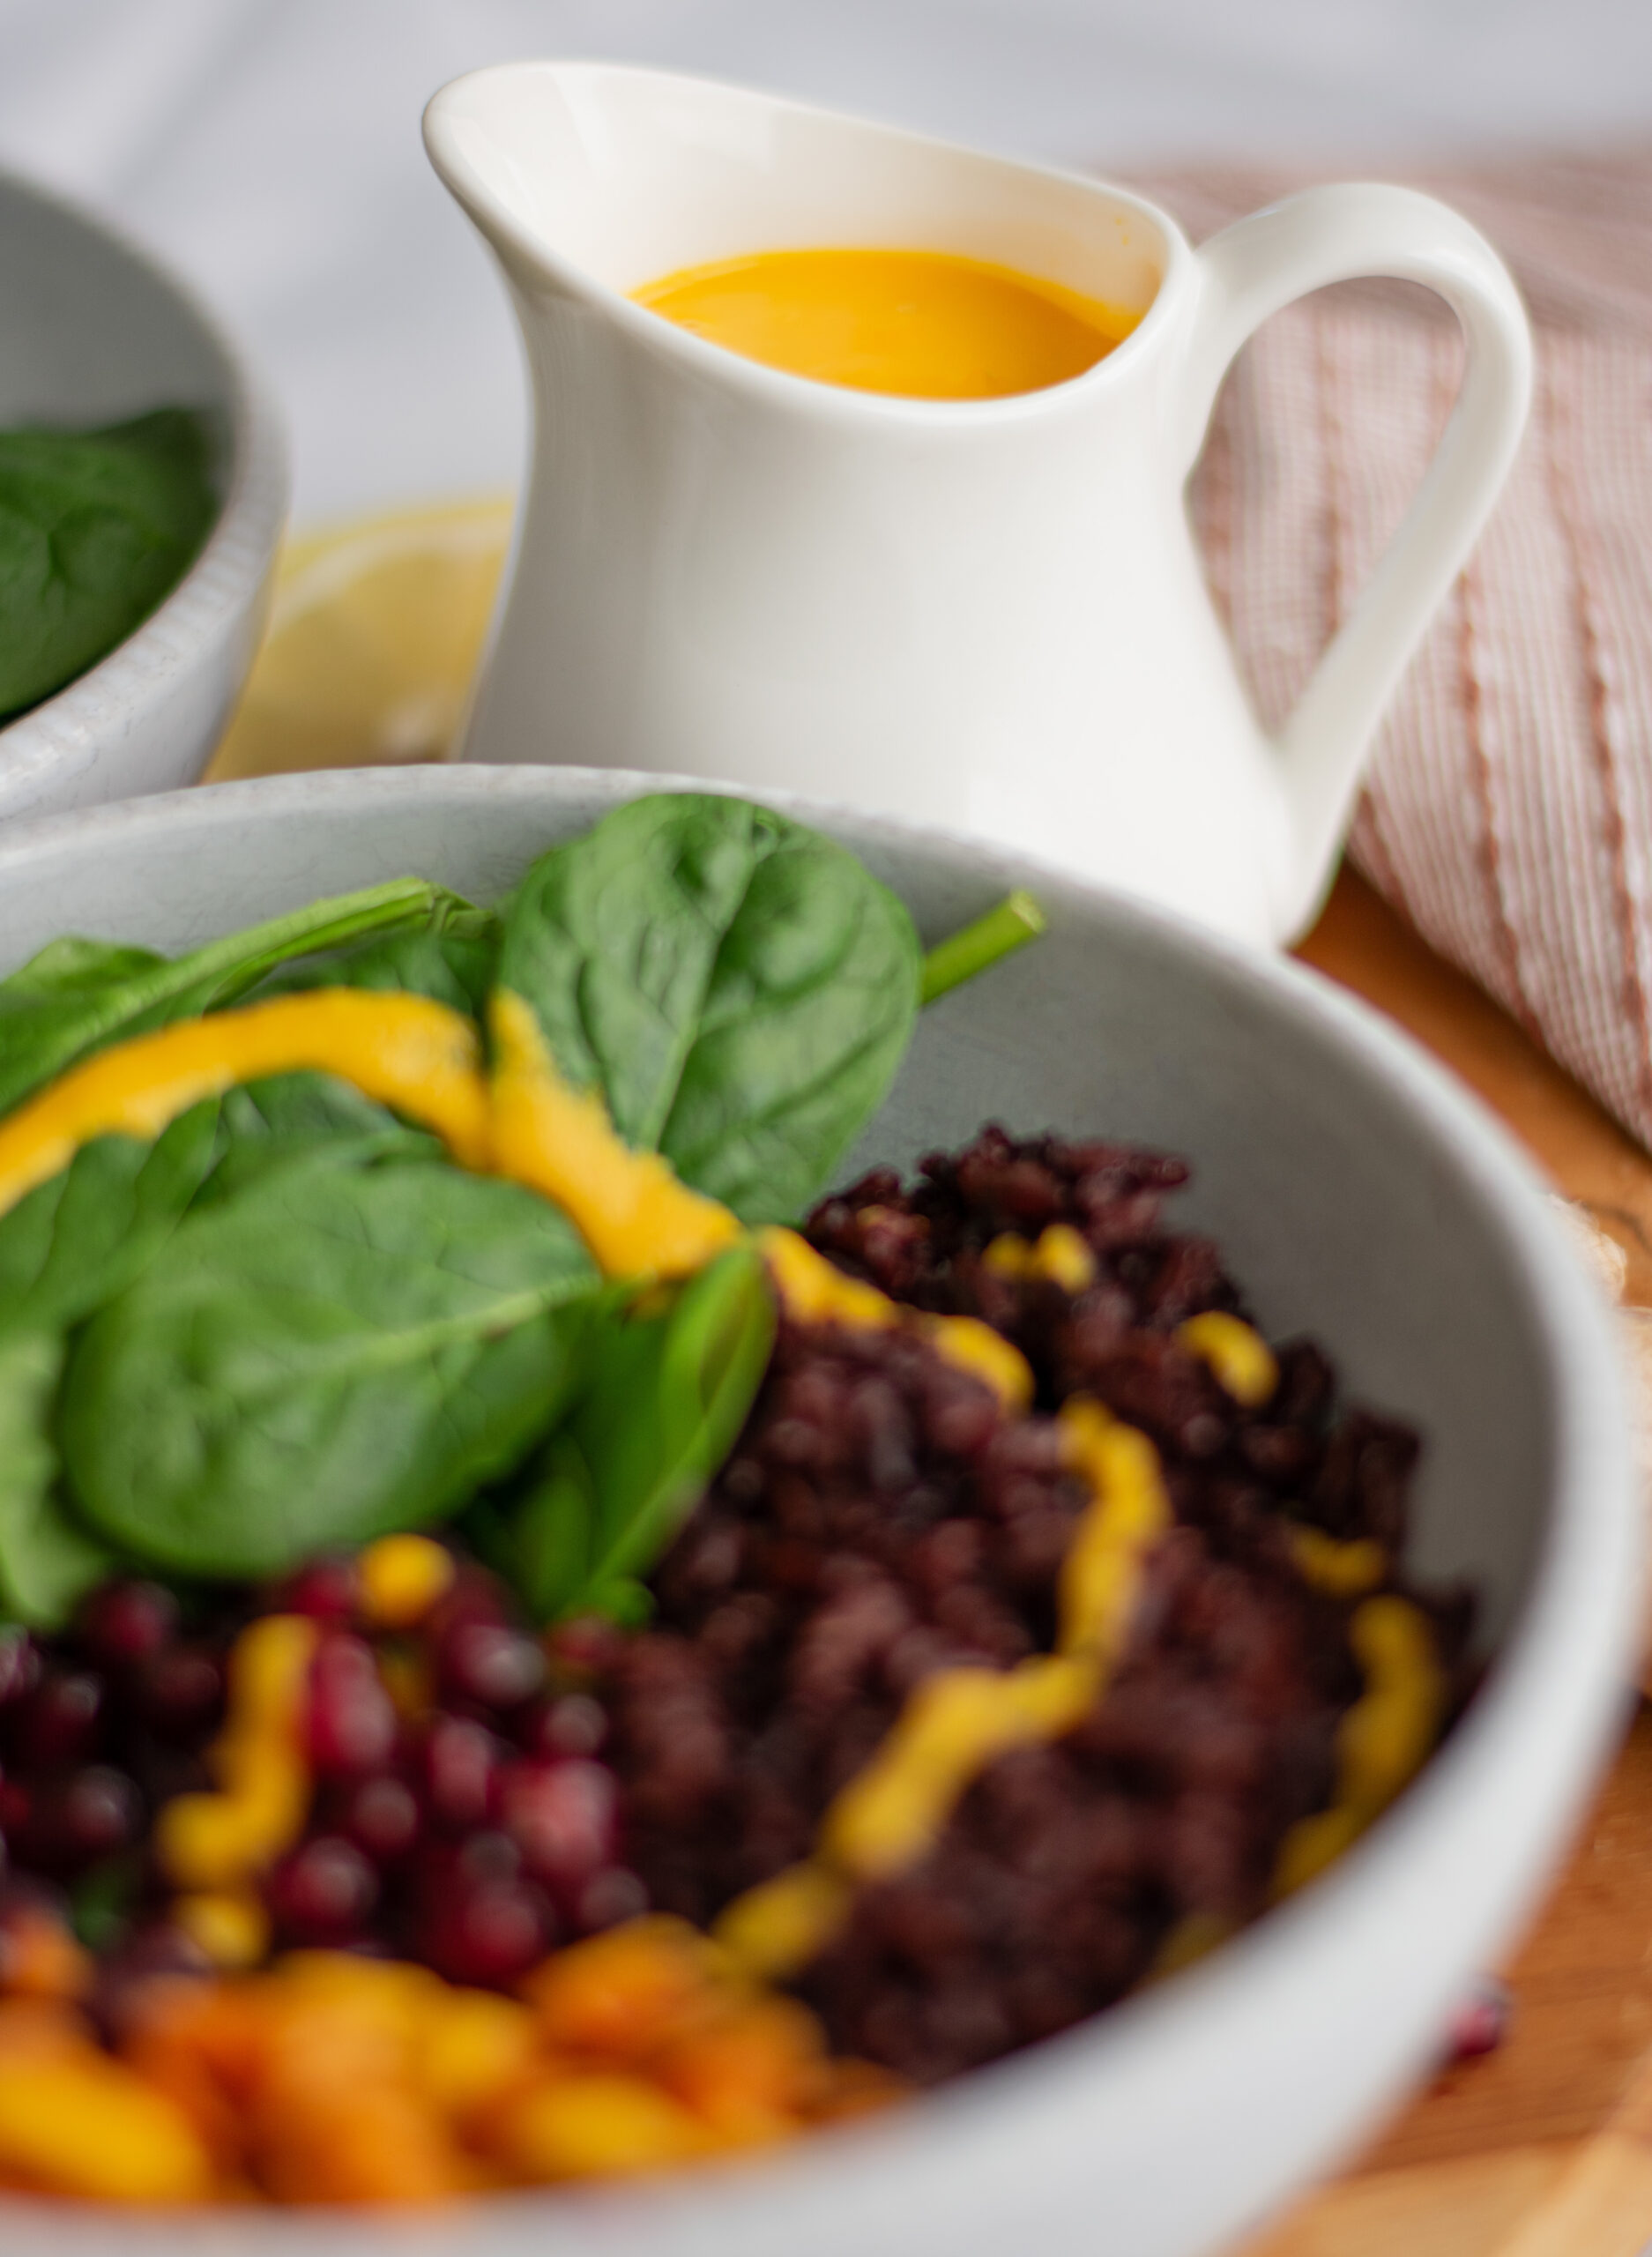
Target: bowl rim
point(136, 676)
point(1556, 1687)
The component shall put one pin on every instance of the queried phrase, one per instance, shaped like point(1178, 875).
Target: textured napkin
point(1508, 806)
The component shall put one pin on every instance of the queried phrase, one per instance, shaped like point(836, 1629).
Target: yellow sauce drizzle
point(399, 1579)
point(1059, 1252)
point(1381, 1743)
point(217, 1842)
point(230, 1926)
point(890, 1814)
point(417, 1055)
point(404, 1050)
point(629, 1208)
point(1343, 1570)
point(772, 1930)
point(1240, 1357)
point(972, 1346)
point(1128, 1510)
point(1195, 1936)
point(816, 1291)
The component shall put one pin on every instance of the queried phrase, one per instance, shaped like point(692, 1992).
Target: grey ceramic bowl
point(91, 330)
point(1357, 1194)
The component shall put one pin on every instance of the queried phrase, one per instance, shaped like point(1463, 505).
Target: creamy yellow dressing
point(1341, 1570)
point(216, 1841)
point(1241, 1360)
point(630, 1209)
point(926, 324)
point(1129, 1509)
point(1058, 1253)
point(816, 1291)
point(1381, 1743)
point(890, 1815)
point(525, 1122)
point(404, 1050)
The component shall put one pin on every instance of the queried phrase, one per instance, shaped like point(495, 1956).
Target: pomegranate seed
point(128, 1622)
point(102, 1810)
point(442, 1870)
point(563, 1814)
point(179, 1691)
point(325, 1588)
point(381, 1816)
point(324, 1892)
point(612, 1897)
point(19, 1665)
point(458, 1763)
point(352, 1716)
point(85, 1816)
point(488, 1855)
point(1481, 2020)
point(487, 1932)
point(490, 1663)
point(574, 1725)
point(58, 1721)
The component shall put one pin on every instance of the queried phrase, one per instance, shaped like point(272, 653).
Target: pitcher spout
point(619, 176)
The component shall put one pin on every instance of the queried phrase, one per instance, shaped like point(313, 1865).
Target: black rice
point(881, 1519)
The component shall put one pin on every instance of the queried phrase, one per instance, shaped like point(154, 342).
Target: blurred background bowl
point(1360, 1196)
point(93, 331)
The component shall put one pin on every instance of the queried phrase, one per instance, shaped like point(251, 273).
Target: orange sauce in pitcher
point(923, 323)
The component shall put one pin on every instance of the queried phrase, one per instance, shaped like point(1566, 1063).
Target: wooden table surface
point(1543, 2149)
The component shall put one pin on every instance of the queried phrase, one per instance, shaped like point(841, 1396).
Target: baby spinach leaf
point(740, 989)
point(303, 1119)
point(95, 528)
point(72, 1243)
point(48, 1563)
point(72, 967)
point(328, 1354)
point(77, 996)
point(663, 1401)
point(76, 1241)
point(454, 964)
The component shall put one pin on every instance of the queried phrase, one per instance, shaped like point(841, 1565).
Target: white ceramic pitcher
point(987, 613)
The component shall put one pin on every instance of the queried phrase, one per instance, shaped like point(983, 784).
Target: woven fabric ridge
point(1508, 804)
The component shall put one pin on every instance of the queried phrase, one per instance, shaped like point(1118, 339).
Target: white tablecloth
point(271, 147)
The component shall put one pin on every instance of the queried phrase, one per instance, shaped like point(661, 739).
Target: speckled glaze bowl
point(1358, 1194)
point(91, 330)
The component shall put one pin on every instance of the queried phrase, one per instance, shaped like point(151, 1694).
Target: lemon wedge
point(375, 633)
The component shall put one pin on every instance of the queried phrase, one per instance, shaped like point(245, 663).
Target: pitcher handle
point(1250, 271)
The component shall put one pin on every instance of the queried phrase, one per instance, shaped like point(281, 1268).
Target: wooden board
point(1543, 2149)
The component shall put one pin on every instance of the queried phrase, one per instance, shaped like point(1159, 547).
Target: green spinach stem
point(1017, 920)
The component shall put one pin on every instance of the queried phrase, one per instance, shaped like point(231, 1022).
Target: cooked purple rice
point(881, 1519)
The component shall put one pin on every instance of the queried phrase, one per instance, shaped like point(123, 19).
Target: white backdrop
point(271, 147)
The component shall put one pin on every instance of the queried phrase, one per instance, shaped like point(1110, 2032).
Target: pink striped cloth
point(1509, 810)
